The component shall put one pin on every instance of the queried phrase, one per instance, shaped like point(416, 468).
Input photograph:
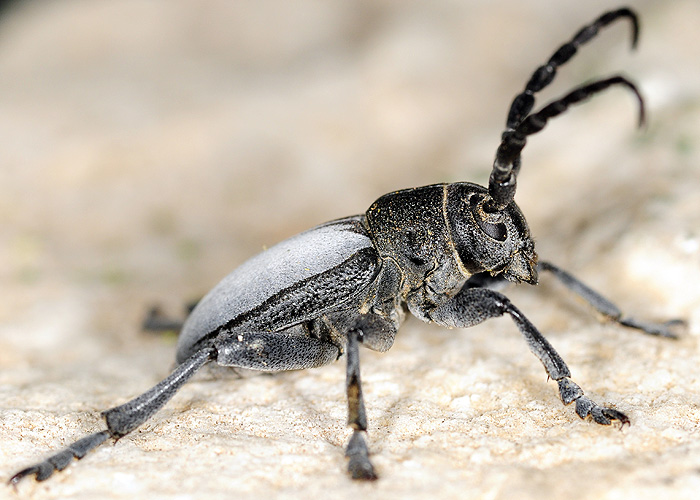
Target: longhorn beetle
point(438, 251)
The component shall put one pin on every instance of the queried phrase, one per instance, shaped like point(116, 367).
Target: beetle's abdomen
point(293, 281)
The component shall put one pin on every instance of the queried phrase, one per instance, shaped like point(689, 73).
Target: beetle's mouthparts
point(522, 268)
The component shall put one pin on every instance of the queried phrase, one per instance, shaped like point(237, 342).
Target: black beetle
point(437, 251)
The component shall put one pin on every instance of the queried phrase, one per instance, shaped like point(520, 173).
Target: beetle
point(439, 252)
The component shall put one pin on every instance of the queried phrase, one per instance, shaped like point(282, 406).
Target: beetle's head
point(495, 241)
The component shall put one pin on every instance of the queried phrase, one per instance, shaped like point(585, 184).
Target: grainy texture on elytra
point(149, 148)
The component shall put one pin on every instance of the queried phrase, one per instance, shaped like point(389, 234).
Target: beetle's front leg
point(607, 308)
point(472, 306)
point(359, 466)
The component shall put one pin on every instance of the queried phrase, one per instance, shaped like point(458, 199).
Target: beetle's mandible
point(438, 251)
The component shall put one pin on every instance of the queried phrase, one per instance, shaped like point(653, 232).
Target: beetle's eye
point(496, 230)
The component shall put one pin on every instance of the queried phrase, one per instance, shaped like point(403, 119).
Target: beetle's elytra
point(438, 252)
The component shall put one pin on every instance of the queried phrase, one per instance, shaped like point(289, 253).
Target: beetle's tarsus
point(359, 465)
point(665, 329)
point(34, 469)
point(614, 414)
point(570, 392)
point(59, 461)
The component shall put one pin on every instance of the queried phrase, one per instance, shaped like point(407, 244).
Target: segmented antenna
point(521, 123)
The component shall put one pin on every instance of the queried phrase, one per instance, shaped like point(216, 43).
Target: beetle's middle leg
point(472, 306)
point(298, 348)
point(359, 466)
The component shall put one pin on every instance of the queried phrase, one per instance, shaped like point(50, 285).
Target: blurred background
point(149, 147)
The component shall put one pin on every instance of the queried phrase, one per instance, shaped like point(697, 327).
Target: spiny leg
point(607, 308)
point(122, 419)
point(359, 465)
point(472, 306)
point(544, 75)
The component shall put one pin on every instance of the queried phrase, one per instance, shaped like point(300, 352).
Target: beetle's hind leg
point(606, 308)
point(472, 306)
point(122, 419)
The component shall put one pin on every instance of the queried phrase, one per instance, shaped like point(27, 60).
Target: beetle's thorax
point(409, 229)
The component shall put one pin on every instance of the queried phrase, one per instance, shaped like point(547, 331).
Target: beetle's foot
point(665, 329)
point(59, 461)
point(41, 472)
point(359, 466)
point(585, 406)
point(602, 415)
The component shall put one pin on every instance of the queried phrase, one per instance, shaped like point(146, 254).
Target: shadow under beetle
point(438, 251)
